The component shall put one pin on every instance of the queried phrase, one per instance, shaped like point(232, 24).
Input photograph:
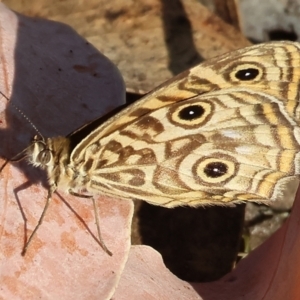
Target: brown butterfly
point(224, 131)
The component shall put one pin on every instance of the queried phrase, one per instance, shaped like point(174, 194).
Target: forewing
point(274, 68)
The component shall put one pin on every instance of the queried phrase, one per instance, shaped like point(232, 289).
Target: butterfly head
point(39, 153)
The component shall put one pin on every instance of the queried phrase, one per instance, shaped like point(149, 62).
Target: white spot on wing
point(244, 150)
point(233, 134)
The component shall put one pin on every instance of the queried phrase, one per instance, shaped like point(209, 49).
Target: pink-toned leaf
point(270, 272)
point(60, 82)
point(146, 277)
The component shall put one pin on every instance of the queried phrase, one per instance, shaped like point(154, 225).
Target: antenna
point(23, 114)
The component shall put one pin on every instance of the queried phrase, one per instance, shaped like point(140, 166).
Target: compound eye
point(44, 157)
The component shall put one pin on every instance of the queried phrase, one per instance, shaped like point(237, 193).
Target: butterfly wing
point(230, 145)
point(223, 131)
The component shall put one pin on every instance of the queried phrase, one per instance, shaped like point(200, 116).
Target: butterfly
point(225, 131)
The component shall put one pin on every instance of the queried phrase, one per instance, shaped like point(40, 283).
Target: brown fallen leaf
point(149, 40)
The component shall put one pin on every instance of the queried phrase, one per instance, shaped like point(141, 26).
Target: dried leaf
point(149, 40)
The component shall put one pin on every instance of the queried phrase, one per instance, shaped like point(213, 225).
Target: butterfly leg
point(49, 197)
point(100, 240)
